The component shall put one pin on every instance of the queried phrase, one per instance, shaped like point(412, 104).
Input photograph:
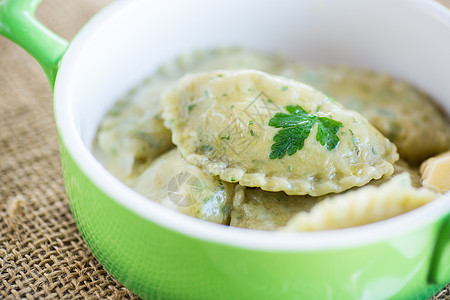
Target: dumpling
point(257, 209)
point(275, 133)
point(132, 133)
point(174, 183)
point(366, 205)
point(406, 116)
point(436, 173)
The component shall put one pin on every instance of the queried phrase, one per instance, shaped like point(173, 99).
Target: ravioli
point(220, 122)
point(436, 173)
point(132, 133)
point(264, 152)
point(176, 184)
point(366, 205)
point(406, 116)
point(254, 208)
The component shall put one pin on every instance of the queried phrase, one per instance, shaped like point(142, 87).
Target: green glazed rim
point(17, 23)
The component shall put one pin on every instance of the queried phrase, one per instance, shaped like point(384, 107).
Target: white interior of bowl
point(129, 39)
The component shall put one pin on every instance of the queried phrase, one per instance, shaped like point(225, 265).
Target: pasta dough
point(436, 173)
point(403, 114)
point(219, 121)
point(366, 205)
point(174, 183)
point(221, 127)
point(132, 133)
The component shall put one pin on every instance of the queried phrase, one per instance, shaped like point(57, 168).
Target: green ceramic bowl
point(161, 254)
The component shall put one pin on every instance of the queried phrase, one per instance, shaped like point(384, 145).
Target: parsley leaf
point(296, 127)
point(326, 132)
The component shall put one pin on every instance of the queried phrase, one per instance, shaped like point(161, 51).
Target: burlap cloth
point(42, 254)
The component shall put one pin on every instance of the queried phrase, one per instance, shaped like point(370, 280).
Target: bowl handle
point(440, 262)
point(17, 23)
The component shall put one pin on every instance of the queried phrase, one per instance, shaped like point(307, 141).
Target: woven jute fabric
point(42, 254)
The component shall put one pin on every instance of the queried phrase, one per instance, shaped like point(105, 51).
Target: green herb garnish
point(296, 127)
point(206, 148)
point(190, 107)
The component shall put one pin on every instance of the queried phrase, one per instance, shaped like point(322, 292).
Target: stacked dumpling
point(268, 152)
point(274, 133)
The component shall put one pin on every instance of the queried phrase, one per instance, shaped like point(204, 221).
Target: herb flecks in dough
point(297, 126)
point(237, 156)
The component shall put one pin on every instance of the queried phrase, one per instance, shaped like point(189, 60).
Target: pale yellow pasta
point(174, 183)
point(219, 121)
point(408, 117)
point(366, 205)
point(436, 173)
point(132, 134)
point(222, 171)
